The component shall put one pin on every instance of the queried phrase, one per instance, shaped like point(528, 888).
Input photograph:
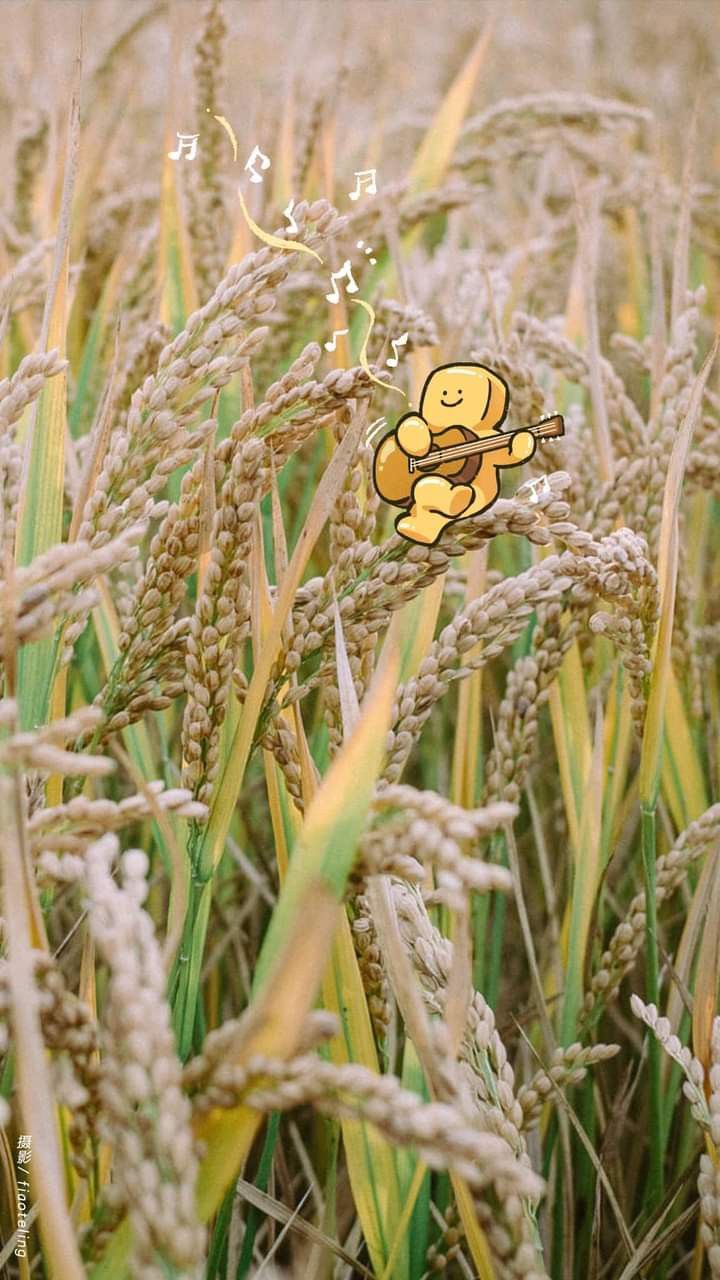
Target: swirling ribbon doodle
point(360, 302)
point(228, 129)
point(275, 241)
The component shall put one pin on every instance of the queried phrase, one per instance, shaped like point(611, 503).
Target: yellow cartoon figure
point(441, 464)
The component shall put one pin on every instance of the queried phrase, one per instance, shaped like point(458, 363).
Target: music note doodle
point(538, 486)
point(255, 155)
point(366, 180)
point(288, 213)
point(392, 361)
point(344, 272)
point(337, 333)
point(185, 140)
point(368, 251)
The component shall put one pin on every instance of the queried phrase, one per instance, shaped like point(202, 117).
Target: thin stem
point(497, 934)
point(657, 1124)
point(184, 985)
point(261, 1182)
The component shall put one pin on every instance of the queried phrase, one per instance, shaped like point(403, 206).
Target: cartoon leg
point(485, 489)
point(436, 502)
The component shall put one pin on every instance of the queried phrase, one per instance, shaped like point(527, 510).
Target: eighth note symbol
point(366, 179)
point(337, 333)
point(255, 155)
point(186, 141)
point(538, 486)
point(345, 271)
point(391, 362)
point(288, 213)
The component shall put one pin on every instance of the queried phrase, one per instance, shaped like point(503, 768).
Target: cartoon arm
point(521, 449)
point(413, 435)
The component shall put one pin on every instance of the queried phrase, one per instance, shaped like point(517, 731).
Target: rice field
point(360, 897)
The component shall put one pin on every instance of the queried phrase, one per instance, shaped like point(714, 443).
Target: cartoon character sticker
point(442, 463)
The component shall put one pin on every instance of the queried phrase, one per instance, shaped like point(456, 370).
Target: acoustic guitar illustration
point(456, 453)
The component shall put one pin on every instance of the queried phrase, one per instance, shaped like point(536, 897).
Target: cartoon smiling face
point(467, 395)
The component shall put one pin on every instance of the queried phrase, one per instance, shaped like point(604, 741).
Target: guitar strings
point(503, 437)
point(465, 451)
point(455, 451)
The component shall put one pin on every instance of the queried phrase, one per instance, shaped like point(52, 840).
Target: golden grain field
point(360, 897)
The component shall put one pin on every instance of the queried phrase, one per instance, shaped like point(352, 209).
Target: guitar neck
point(545, 430)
